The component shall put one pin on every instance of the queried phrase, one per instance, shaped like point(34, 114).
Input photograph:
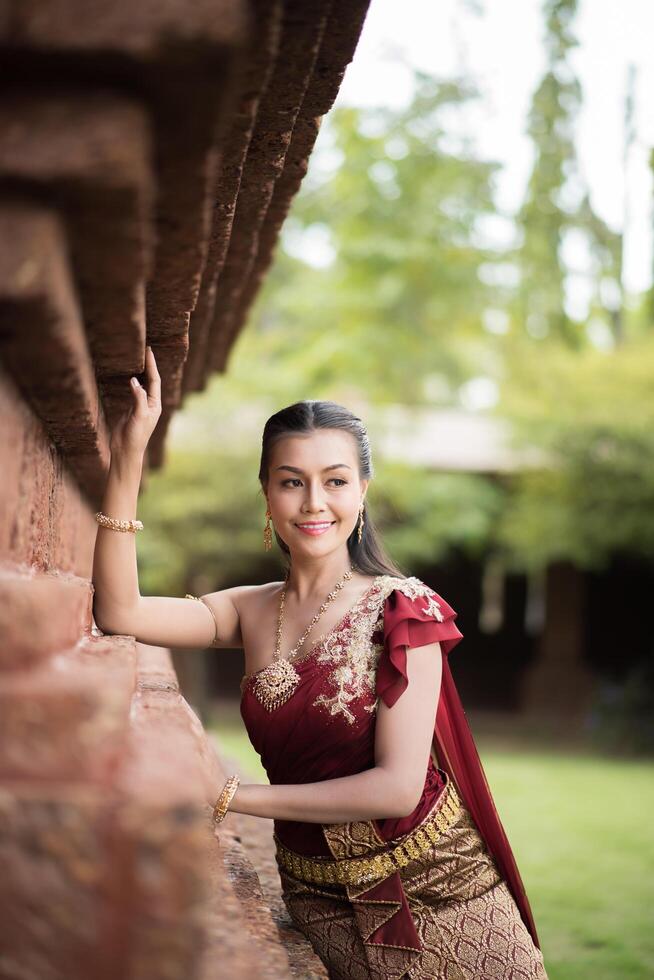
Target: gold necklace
point(275, 684)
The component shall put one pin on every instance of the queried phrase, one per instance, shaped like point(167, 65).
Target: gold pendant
point(275, 684)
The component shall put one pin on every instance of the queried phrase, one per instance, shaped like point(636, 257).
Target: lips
point(316, 528)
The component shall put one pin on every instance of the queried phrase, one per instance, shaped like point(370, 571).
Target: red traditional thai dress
point(448, 901)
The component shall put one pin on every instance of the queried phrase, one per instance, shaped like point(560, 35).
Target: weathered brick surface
point(178, 63)
point(254, 75)
point(162, 826)
point(338, 42)
point(61, 883)
point(44, 520)
point(255, 909)
point(67, 718)
point(230, 948)
point(40, 614)
point(173, 774)
point(148, 155)
point(256, 841)
point(89, 155)
point(302, 31)
point(43, 340)
point(123, 876)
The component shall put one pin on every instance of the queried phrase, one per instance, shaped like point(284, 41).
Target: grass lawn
point(581, 829)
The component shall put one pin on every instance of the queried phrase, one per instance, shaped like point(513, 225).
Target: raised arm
point(393, 787)
point(118, 606)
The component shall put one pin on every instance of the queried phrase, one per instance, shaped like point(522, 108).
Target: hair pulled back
point(367, 556)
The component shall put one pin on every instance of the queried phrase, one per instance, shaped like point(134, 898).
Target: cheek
point(348, 505)
point(283, 504)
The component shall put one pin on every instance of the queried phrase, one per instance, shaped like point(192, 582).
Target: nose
point(314, 498)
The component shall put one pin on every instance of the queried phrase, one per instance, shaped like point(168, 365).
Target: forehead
point(315, 449)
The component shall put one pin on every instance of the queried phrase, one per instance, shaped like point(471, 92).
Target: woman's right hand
point(131, 433)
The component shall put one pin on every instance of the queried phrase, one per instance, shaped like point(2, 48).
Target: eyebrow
point(295, 469)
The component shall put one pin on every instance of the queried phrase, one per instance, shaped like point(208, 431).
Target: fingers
point(147, 399)
point(140, 396)
point(153, 376)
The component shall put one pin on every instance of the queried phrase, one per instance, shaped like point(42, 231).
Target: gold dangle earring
point(267, 532)
point(361, 523)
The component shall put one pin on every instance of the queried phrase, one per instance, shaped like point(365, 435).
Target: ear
point(364, 487)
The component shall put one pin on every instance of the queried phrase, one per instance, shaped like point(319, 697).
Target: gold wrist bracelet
point(225, 798)
point(116, 525)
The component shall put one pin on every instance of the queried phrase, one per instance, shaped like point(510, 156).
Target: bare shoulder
point(232, 609)
point(255, 605)
point(248, 599)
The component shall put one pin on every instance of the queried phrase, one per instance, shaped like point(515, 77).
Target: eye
point(296, 480)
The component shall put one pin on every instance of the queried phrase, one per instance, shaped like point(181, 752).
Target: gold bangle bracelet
point(116, 525)
point(225, 798)
point(215, 621)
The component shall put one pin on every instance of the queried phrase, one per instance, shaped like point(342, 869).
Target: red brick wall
point(148, 155)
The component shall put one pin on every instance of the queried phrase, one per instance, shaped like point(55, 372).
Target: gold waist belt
point(355, 871)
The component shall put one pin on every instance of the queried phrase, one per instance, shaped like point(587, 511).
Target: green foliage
point(557, 201)
point(424, 514)
point(204, 514)
point(543, 217)
point(403, 293)
point(593, 416)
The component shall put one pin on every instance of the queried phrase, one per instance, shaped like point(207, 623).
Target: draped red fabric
point(413, 622)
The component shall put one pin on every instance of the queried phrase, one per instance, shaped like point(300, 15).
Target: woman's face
point(315, 478)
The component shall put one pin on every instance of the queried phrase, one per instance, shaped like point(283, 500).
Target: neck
point(305, 582)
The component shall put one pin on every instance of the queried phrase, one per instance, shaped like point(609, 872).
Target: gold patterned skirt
point(442, 909)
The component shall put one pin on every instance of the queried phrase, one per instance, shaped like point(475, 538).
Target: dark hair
point(307, 416)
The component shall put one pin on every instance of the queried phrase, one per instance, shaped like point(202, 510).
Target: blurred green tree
point(593, 414)
point(557, 204)
point(400, 297)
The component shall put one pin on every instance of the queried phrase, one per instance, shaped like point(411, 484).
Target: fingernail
point(135, 382)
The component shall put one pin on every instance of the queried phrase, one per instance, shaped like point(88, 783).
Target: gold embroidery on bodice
point(351, 651)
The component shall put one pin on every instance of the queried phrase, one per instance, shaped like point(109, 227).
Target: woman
point(392, 858)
